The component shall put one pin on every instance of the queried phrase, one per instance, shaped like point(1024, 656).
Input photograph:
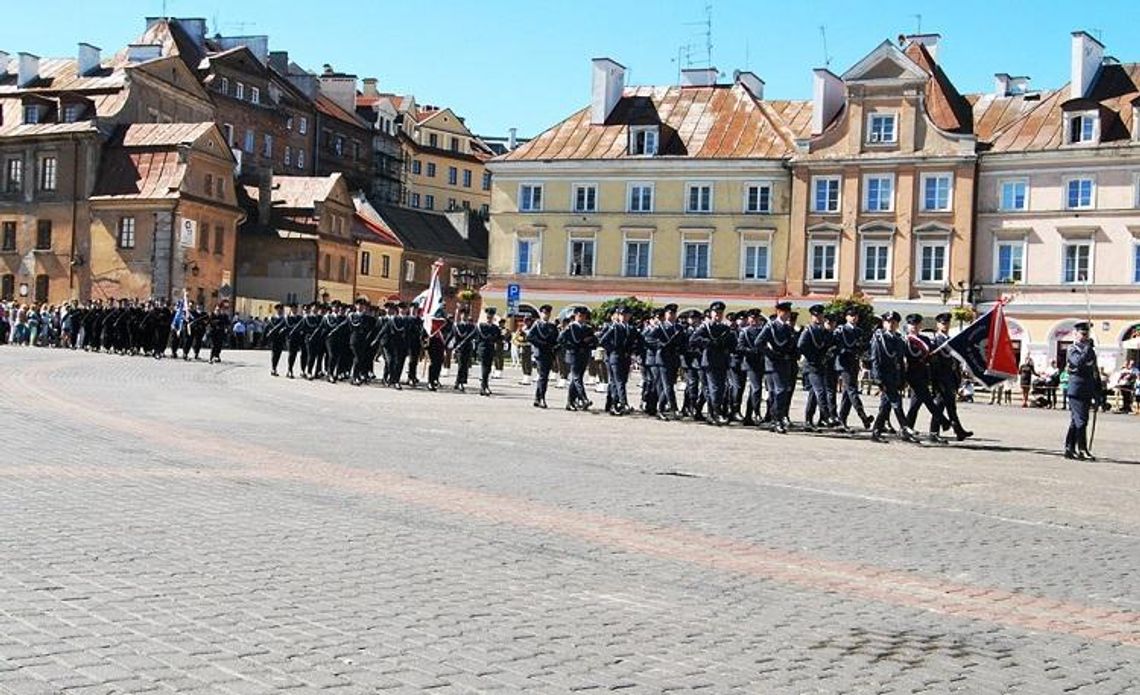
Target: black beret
point(891, 316)
point(490, 311)
point(755, 313)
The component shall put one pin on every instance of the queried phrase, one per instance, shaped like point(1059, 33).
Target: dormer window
point(643, 141)
point(881, 129)
point(1083, 128)
point(71, 113)
point(31, 114)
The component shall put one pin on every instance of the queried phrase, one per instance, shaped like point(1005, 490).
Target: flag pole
point(1100, 386)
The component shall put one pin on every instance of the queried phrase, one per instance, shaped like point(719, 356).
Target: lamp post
point(967, 292)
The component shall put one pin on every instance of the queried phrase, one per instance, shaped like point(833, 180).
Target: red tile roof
point(373, 231)
point(333, 110)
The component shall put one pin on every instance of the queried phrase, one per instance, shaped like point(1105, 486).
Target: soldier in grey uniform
point(888, 364)
point(543, 339)
point(815, 346)
point(1083, 391)
point(777, 341)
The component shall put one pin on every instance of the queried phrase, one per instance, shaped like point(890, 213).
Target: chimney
point(371, 88)
point(340, 88)
point(3, 63)
point(928, 40)
point(142, 52)
point(1087, 55)
point(279, 61)
point(29, 69)
point(1001, 84)
point(90, 58)
point(257, 45)
point(512, 138)
point(698, 77)
point(749, 81)
point(1006, 85)
point(827, 98)
point(195, 28)
point(264, 196)
point(606, 89)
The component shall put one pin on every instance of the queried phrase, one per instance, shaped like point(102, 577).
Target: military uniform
point(778, 343)
point(463, 345)
point(577, 341)
point(1083, 392)
point(716, 341)
point(277, 336)
point(848, 354)
point(618, 340)
point(945, 378)
point(815, 343)
point(489, 335)
point(918, 378)
point(888, 364)
point(543, 339)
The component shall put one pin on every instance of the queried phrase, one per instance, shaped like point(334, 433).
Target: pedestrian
point(1025, 375)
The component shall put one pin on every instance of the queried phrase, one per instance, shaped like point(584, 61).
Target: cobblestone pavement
point(180, 527)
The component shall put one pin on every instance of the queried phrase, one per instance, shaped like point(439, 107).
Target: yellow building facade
point(445, 164)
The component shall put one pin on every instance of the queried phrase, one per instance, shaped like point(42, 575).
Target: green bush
point(868, 321)
point(640, 310)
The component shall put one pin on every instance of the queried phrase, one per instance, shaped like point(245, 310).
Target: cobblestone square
point(181, 527)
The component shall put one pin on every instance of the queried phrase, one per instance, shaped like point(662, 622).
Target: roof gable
point(886, 62)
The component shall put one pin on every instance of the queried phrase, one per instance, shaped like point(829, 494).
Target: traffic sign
point(514, 292)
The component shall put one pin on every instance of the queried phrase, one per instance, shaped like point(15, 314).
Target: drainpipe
point(71, 266)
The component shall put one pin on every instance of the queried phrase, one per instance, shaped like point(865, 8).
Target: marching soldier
point(437, 348)
point(360, 325)
point(489, 335)
point(647, 350)
point(414, 335)
point(752, 355)
point(577, 341)
point(888, 350)
point(219, 326)
point(815, 344)
point(778, 343)
point(670, 340)
point(849, 351)
point(918, 378)
point(295, 329)
point(277, 337)
point(945, 377)
point(463, 339)
point(543, 339)
point(716, 341)
point(618, 340)
point(1083, 391)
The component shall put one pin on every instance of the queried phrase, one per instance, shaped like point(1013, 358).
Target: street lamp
point(966, 293)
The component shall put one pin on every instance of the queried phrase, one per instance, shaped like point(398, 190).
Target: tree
point(868, 321)
point(639, 310)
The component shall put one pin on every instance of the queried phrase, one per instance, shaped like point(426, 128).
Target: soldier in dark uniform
point(814, 345)
point(669, 341)
point(918, 379)
point(332, 339)
point(737, 377)
point(617, 339)
point(543, 339)
point(219, 326)
point(650, 364)
point(276, 335)
point(294, 330)
point(414, 335)
point(716, 341)
point(315, 344)
point(888, 364)
point(577, 340)
point(360, 325)
point(752, 357)
point(778, 343)
point(488, 335)
point(437, 348)
point(1083, 391)
point(463, 345)
point(382, 340)
point(849, 343)
point(945, 378)
point(398, 343)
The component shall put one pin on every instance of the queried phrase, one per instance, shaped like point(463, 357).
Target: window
point(454, 144)
point(581, 257)
point(267, 147)
point(385, 265)
point(452, 176)
point(467, 178)
point(415, 200)
point(126, 232)
point(41, 288)
point(486, 180)
point(304, 126)
point(1082, 128)
point(417, 167)
point(288, 156)
point(526, 256)
point(755, 259)
point(932, 262)
point(1015, 194)
point(250, 140)
point(71, 113)
point(203, 236)
point(823, 255)
point(1077, 262)
point(229, 133)
point(224, 85)
point(43, 235)
point(255, 95)
point(8, 242)
point(219, 239)
point(209, 184)
point(637, 258)
point(1079, 194)
point(338, 146)
point(31, 114)
point(433, 140)
point(882, 128)
point(409, 271)
point(8, 287)
point(876, 261)
point(641, 197)
point(825, 194)
point(355, 150)
point(431, 170)
point(47, 174)
point(936, 192)
point(485, 211)
point(239, 90)
point(585, 198)
point(1009, 265)
point(695, 256)
point(342, 269)
point(300, 159)
point(429, 202)
point(1136, 263)
point(699, 198)
point(289, 123)
point(878, 193)
point(14, 175)
point(220, 188)
point(643, 141)
point(758, 198)
point(530, 198)
point(451, 204)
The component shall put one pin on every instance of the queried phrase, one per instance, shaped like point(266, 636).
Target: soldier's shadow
point(1001, 448)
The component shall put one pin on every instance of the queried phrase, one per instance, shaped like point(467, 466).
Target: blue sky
point(525, 63)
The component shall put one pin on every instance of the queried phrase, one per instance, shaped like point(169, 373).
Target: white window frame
point(1073, 243)
point(815, 182)
point(703, 240)
point(534, 259)
point(764, 243)
point(574, 188)
point(47, 179)
point(877, 138)
point(303, 126)
point(625, 242)
point(415, 200)
point(629, 196)
point(1021, 243)
point(920, 247)
point(527, 202)
point(409, 270)
point(651, 136)
point(365, 263)
point(593, 241)
point(865, 245)
point(1002, 183)
point(936, 176)
point(126, 230)
point(301, 159)
point(225, 85)
point(758, 185)
point(429, 201)
point(1085, 117)
point(239, 90)
point(867, 178)
point(1069, 181)
point(822, 243)
point(254, 95)
point(697, 185)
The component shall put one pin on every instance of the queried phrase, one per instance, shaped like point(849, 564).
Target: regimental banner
point(187, 233)
point(984, 348)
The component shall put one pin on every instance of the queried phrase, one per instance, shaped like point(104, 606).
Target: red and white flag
point(431, 301)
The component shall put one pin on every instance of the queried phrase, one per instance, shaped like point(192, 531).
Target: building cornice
point(666, 166)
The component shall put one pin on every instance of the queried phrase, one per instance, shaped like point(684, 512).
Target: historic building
point(444, 162)
point(379, 255)
point(1059, 204)
point(677, 193)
